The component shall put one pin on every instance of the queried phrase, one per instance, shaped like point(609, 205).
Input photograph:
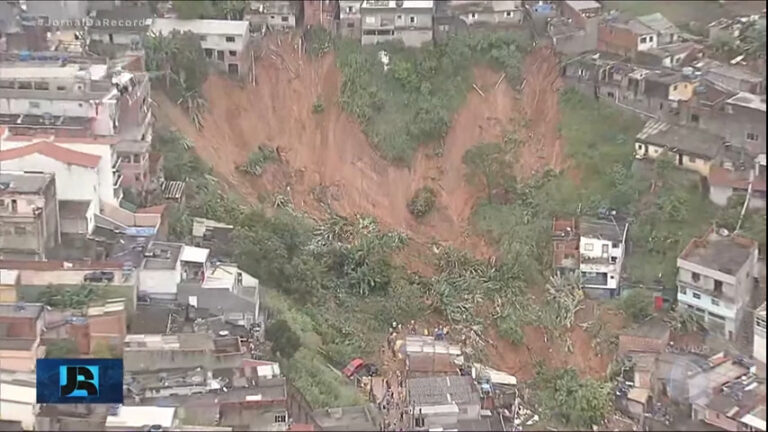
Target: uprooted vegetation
point(423, 201)
point(413, 100)
point(258, 159)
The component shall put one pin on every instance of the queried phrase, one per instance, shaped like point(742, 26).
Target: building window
point(473, 15)
point(696, 295)
point(643, 39)
point(220, 55)
point(284, 19)
point(233, 69)
point(695, 277)
point(61, 88)
point(203, 38)
point(695, 118)
point(34, 105)
point(751, 136)
point(691, 159)
point(41, 85)
point(715, 302)
point(233, 53)
point(14, 206)
point(5, 84)
point(412, 19)
point(208, 53)
point(19, 230)
point(650, 39)
point(674, 87)
point(350, 9)
point(682, 290)
point(230, 39)
point(508, 14)
point(729, 109)
point(589, 247)
point(281, 418)
point(351, 24)
point(25, 85)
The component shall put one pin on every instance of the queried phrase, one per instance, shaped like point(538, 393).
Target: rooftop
point(217, 302)
point(21, 310)
point(182, 341)
point(225, 276)
point(748, 100)
point(760, 312)
point(138, 18)
point(357, 418)
point(581, 5)
point(162, 255)
point(430, 391)
point(194, 254)
point(53, 151)
point(611, 230)
point(726, 254)
point(8, 277)
point(205, 27)
point(140, 416)
point(679, 139)
point(199, 225)
point(657, 22)
point(56, 265)
point(23, 182)
point(17, 121)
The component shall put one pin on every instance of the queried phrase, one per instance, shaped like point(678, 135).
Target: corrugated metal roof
point(173, 189)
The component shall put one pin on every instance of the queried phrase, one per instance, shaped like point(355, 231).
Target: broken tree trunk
point(478, 90)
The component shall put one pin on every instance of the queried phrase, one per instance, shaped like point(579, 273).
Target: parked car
point(352, 368)
point(100, 276)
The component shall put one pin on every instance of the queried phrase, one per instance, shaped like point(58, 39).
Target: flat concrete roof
point(726, 254)
point(430, 391)
point(162, 255)
point(23, 182)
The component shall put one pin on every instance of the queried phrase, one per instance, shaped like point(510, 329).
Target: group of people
point(393, 405)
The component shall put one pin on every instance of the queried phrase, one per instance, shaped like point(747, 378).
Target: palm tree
point(160, 50)
point(192, 100)
point(232, 10)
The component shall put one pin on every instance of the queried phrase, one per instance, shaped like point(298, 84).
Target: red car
point(353, 367)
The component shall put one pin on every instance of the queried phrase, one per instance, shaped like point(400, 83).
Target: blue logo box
point(78, 381)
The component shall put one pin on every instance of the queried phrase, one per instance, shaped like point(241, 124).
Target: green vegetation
point(637, 304)
point(285, 342)
point(319, 41)
point(414, 100)
point(209, 9)
point(488, 164)
point(561, 396)
point(422, 202)
point(318, 107)
point(258, 159)
point(63, 348)
point(102, 349)
point(69, 298)
point(180, 60)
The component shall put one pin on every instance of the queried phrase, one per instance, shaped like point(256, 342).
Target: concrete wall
point(759, 339)
point(501, 17)
point(17, 403)
point(720, 195)
point(118, 37)
point(349, 18)
point(20, 360)
point(616, 40)
point(593, 248)
point(632, 343)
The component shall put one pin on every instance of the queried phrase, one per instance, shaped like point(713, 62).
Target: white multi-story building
point(410, 21)
point(225, 43)
point(86, 105)
point(602, 246)
point(759, 339)
point(715, 279)
point(18, 397)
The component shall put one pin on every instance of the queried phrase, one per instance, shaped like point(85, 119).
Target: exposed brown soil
point(521, 360)
point(327, 158)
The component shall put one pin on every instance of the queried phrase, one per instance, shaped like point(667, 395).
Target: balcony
point(117, 180)
point(115, 162)
point(721, 295)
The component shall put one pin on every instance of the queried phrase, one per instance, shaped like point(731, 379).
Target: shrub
point(423, 201)
point(318, 106)
point(637, 304)
point(258, 160)
point(285, 341)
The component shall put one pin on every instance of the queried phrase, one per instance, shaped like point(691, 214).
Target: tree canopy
point(285, 341)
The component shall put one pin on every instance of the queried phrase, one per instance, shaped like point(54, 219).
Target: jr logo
point(79, 381)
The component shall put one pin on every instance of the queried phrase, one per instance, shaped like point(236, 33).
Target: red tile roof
point(300, 427)
point(53, 151)
point(719, 176)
